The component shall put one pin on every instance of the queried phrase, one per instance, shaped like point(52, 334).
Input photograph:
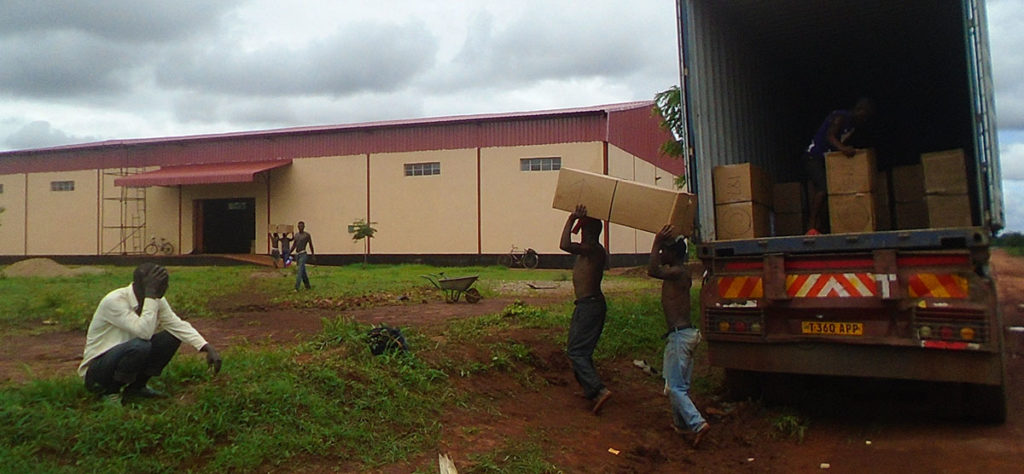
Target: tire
point(985, 403)
point(166, 248)
point(151, 249)
point(741, 385)
point(473, 296)
point(505, 260)
point(531, 260)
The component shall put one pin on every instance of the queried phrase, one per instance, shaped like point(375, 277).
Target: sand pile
point(44, 267)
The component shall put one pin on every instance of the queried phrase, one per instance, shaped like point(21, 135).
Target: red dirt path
point(635, 422)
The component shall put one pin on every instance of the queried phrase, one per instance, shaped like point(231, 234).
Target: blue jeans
point(678, 369)
point(301, 277)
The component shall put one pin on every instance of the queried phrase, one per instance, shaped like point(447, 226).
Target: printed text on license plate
point(832, 328)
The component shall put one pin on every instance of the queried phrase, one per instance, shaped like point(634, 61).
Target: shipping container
point(758, 77)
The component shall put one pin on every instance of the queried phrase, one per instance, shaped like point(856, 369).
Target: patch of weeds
point(514, 457)
point(791, 424)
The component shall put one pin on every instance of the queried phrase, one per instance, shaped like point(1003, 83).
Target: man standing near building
point(133, 335)
point(302, 239)
point(588, 317)
point(668, 263)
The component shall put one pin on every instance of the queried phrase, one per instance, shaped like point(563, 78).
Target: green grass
point(327, 399)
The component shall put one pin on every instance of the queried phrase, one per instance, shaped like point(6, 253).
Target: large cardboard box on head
point(741, 182)
point(280, 229)
point(625, 202)
point(850, 174)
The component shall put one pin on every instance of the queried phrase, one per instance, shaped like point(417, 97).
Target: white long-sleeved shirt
point(115, 322)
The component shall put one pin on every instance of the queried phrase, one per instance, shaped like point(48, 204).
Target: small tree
point(668, 107)
point(362, 230)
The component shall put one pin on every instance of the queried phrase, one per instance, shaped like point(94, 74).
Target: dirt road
point(862, 433)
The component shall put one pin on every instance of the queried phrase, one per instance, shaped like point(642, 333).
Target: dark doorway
point(226, 225)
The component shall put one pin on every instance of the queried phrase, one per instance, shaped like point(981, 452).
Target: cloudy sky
point(76, 71)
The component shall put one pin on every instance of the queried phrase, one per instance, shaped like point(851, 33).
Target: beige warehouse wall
point(12, 220)
point(63, 222)
point(516, 204)
point(424, 214)
point(327, 193)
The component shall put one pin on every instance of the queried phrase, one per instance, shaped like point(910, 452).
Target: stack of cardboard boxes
point(853, 192)
point(908, 196)
point(743, 194)
point(788, 208)
point(945, 188)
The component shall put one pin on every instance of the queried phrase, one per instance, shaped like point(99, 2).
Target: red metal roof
point(629, 126)
point(201, 174)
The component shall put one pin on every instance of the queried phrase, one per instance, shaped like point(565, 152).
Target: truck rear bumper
point(911, 363)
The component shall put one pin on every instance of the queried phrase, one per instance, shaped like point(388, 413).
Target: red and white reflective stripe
point(831, 285)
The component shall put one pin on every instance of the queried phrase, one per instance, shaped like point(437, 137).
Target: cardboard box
point(883, 216)
point(789, 223)
point(944, 172)
point(852, 213)
point(741, 220)
point(908, 183)
point(649, 208)
point(741, 183)
point(948, 210)
point(280, 228)
point(625, 202)
point(788, 198)
point(911, 214)
point(583, 187)
point(850, 174)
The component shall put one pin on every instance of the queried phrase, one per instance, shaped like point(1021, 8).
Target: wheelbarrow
point(453, 288)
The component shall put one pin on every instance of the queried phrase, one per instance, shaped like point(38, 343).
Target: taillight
point(734, 322)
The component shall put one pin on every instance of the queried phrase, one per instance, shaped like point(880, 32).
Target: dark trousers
point(584, 331)
point(131, 363)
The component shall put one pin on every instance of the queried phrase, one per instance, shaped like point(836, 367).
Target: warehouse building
point(465, 187)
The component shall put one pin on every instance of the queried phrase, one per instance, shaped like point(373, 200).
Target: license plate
point(832, 328)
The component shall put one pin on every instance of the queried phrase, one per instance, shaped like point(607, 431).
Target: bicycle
point(526, 258)
point(163, 247)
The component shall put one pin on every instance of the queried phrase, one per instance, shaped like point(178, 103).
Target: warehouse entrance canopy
point(209, 173)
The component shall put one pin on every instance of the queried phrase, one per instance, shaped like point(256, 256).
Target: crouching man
point(133, 335)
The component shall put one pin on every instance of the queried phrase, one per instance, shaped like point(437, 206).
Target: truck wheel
point(741, 385)
point(985, 403)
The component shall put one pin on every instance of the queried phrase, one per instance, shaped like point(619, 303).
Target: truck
point(757, 77)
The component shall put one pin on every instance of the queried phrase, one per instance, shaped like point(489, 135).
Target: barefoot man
point(668, 263)
point(588, 317)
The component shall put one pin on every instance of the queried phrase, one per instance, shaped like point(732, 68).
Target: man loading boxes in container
point(589, 315)
point(831, 135)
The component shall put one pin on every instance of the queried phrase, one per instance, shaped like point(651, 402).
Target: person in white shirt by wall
point(133, 335)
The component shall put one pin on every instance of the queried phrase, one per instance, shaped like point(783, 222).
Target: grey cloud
point(64, 63)
point(40, 134)
point(550, 47)
point(363, 57)
point(133, 20)
point(1005, 18)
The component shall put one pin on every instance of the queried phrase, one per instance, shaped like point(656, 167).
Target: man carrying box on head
point(830, 136)
point(588, 317)
point(668, 263)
